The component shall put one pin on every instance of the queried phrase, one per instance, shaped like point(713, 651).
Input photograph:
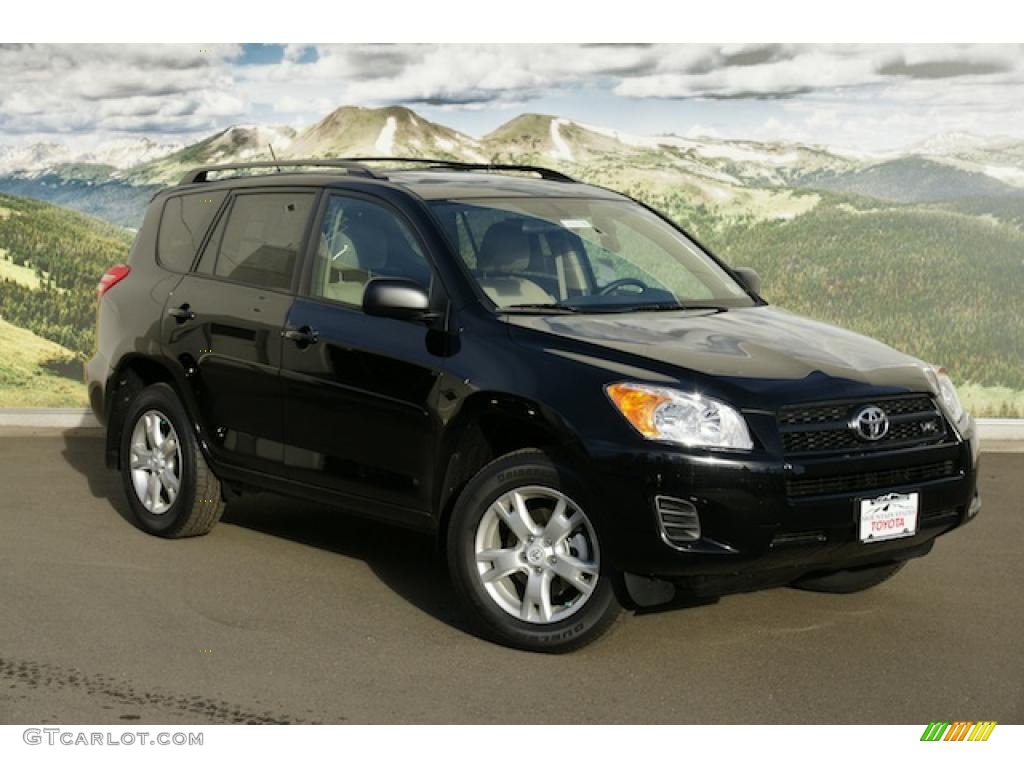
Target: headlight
point(948, 395)
point(686, 418)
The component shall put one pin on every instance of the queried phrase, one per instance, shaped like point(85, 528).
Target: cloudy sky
point(857, 97)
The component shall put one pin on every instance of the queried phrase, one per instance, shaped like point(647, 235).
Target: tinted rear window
point(182, 227)
point(260, 244)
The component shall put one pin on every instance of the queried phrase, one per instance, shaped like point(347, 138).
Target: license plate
point(891, 516)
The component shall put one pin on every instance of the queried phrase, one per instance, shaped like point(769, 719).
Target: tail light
point(112, 277)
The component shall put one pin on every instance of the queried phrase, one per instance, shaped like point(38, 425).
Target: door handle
point(182, 314)
point(303, 336)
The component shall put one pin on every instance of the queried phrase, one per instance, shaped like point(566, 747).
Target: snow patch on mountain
point(386, 140)
point(950, 143)
point(127, 152)
point(642, 142)
point(1007, 175)
point(33, 158)
point(747, 154)
point(562, 150)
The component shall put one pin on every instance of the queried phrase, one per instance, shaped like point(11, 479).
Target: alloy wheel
point(155, 462)
point(537, 554)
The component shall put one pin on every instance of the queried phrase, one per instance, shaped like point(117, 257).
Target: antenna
point(274, 156)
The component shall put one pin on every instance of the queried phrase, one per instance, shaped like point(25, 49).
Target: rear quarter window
point(183, 225)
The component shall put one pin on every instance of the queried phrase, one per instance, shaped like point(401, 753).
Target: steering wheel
point(614, 285)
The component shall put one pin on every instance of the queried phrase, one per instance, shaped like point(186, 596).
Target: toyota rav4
point(583, 405)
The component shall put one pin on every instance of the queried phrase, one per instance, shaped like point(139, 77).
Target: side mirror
point(749, 278)
point(397, 298)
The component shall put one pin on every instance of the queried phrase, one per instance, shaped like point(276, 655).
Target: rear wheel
point(169, 486)
point(848, 581)
point(526, 557)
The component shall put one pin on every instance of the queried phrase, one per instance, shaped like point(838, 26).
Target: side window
point(358, 241)
point(261, 240)
point(183, 225)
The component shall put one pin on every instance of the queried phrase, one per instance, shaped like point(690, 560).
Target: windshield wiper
point(658, 307)
point(533, 309)
point(711, 307)
point(603, 309)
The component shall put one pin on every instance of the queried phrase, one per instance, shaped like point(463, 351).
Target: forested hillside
point(112, 200)
point(927, 282)
point(53, 259)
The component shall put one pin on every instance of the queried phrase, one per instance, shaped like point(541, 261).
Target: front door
point(360, 391)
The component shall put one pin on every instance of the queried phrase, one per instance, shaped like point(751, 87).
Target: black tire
point(517, 470)
point(848, 581)
point(198, 504)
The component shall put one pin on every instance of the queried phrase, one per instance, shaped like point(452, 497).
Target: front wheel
point(525, 556)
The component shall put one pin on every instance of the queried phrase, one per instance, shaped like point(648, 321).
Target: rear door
point(223, 323)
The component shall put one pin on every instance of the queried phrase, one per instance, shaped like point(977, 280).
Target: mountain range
point(733, 177)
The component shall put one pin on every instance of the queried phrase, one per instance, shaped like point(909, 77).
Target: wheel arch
point(134, 373)
point(490, 425)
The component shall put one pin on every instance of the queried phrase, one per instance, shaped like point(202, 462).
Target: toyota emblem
point(870, 423)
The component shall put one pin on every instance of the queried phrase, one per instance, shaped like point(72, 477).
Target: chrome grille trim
point(817, 428)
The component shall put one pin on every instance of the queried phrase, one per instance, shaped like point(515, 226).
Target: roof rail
point(355, 165)
point(545, 173)
point(199, 175)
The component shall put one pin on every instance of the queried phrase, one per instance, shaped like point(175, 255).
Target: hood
point(746, 348)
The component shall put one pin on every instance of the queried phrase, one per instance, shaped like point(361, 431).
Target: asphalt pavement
point(293, 613)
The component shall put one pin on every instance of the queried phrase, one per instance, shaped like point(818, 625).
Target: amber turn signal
point(638, 406)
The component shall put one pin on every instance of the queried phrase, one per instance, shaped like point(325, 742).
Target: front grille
point(867, 481)
point(825, 427)
point(678, 520)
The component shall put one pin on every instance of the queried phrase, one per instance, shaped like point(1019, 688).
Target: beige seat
point(505, 251)
point(358, 253)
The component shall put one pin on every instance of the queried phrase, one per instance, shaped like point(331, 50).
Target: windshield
point(575, 254)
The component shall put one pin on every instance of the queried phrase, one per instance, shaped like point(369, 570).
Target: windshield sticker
point(576, 224)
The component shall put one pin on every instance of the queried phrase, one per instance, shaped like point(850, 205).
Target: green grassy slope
point(67, 253)
point(27, 377)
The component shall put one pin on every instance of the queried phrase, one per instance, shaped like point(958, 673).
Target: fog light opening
point(678, 520)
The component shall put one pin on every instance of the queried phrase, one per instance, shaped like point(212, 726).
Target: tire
point(157, 416)
point(846, 582)
point(565, 565)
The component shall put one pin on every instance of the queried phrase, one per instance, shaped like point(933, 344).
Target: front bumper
point(755, 527)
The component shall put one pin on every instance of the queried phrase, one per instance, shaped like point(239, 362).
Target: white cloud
point(854, 94)
point(780, 71)
point(456, 73)
point(167, 88)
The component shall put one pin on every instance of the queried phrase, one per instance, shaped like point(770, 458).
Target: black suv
point(584, 406)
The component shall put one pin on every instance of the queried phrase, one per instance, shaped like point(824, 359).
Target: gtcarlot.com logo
point(72, 738)
point(958, 730)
